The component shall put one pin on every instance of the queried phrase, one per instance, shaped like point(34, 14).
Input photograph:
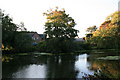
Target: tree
point(23, 42)
point(108, 35)
point(59, 24)
point(12, 38)
point(114, 18)
point(21, 27)
point(91, 29)
point(8, 30)
point(59, 29)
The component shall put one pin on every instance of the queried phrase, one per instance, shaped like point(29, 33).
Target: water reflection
point(25, 67)
point(83, 66)
point(55, 66)
point(61, 66)
point(110, 68)
point(31, 71)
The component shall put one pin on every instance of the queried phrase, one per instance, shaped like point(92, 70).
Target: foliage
point(21, 27)
point(108, 35)
point(23, 42)
point(91, 29)
point(8, 30)
point(114, 18)
point(58, 45)
point(14, 37)
point(64, 46)
point(60, 31)
point(59, 24)
point(41, 46)
point(82, 46)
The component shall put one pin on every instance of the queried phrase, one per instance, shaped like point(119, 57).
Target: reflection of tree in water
point(61, 66)
point(109, 68)
point(57, 66)
point(18, 62)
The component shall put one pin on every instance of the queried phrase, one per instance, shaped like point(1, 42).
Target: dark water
point(57, 66)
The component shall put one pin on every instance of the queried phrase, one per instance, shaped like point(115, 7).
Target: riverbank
point(99, 51)
point(95, 51)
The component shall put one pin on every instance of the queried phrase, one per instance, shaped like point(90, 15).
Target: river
point(57, 66)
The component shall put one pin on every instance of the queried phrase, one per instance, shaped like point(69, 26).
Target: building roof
point(79, 39)
point(42, 35)
point(31, 34)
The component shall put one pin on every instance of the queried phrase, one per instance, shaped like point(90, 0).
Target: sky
point(86, 13)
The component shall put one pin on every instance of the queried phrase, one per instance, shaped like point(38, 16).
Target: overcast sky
point(86, 13)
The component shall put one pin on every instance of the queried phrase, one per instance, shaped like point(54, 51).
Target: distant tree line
point(60, 34)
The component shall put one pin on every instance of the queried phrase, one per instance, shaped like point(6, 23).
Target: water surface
point(57, 66)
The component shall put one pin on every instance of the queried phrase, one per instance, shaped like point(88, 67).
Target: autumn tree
point(59, 29)
point(108, 34)
point(59, 24)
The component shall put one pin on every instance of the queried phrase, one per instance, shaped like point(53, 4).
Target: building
point(79, 40)
point(36, 37)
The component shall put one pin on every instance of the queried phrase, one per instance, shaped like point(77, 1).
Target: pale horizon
point(86, 13)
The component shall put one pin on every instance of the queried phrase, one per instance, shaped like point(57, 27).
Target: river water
point(57, 66)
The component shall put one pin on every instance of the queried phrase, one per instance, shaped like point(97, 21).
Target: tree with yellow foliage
point(60, 31)
point(59, 24)
point(108, 34)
